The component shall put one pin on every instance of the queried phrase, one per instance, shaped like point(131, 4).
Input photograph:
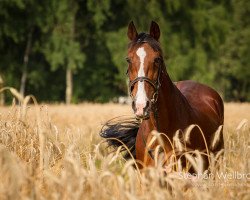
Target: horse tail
point(118, 132)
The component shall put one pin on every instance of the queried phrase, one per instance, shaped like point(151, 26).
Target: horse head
point(145, 66)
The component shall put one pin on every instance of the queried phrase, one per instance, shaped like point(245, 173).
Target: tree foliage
point(207, 41)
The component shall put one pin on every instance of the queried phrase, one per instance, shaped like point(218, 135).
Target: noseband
point(155, 84)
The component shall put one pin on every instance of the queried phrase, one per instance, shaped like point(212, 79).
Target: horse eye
point(158, 60)
point(128, 60)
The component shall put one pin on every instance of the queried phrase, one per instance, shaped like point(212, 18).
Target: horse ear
point(154, 30)
point(132, 32)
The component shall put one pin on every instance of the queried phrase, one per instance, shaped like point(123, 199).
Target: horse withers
point(164, 106)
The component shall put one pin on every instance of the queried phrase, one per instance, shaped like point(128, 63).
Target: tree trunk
point(25, 63)
point(69, 75)
point(69, 85)
point(1, 94)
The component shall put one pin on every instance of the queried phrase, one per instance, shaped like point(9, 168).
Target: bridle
point(155, 84)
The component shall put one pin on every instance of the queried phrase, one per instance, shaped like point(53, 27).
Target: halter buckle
point(154, 98)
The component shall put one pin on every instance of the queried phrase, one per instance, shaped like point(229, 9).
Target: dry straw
point(58, 154)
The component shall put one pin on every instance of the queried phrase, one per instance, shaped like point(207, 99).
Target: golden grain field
point(55, 152)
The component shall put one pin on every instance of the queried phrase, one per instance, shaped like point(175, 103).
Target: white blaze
point(141, 97)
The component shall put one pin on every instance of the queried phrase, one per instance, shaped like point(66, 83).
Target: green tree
point(235, 54)
point(43, 45)
point(61, 49)
point(20, 20)
point(97, 81)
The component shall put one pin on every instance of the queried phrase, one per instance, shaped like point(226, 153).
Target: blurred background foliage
point(50, 45)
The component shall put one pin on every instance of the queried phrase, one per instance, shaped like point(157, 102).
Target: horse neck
point(171, 106)
point(168, 106)
point(161, 119)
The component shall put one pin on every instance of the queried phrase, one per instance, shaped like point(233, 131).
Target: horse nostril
point(146, 108)
point(147, 105)
point(141, 110)
point(133, 105)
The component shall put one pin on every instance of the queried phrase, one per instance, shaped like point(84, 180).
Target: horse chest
point(142, 139)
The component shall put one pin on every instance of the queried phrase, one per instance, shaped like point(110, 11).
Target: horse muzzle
point(141, 110)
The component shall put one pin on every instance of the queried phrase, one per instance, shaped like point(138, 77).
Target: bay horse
point(164, 106)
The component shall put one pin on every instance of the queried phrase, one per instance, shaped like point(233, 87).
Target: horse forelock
point(145, 38)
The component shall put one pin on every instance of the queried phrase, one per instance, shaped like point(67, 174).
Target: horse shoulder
point(203, 99)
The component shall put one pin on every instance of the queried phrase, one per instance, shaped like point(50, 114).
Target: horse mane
point(120, 131)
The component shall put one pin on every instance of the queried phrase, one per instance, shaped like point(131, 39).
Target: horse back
point(205, 101)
